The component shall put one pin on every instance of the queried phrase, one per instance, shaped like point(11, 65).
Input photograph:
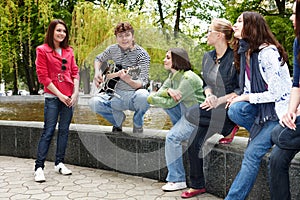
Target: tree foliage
point(18, 38)
point(185, 16)
point(23, 27)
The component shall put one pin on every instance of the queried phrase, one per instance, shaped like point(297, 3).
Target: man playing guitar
point(132, 95)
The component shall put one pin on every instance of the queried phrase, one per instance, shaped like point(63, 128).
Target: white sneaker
point(170, 186)
point(39, 175)
point(62, 169)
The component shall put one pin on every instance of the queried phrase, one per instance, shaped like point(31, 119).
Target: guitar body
point(108, 85)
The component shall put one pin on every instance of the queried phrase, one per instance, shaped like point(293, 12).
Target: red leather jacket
point(49, 69)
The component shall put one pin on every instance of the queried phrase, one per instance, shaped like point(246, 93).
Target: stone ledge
point(95, 146)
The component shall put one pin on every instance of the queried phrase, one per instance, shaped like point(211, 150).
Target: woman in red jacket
point(57, 71)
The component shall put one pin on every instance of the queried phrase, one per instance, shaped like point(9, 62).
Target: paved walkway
point(16, 182)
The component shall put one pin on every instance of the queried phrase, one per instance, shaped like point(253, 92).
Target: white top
point(277, 78)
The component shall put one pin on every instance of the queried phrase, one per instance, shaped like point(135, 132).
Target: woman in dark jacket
point(220, 83)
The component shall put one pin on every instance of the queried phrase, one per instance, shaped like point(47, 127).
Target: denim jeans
point(287, 146)
point(54, 109)
point(176, 112)
point(279, 164)
point(112, 109)
point(243, 113)
point(180, 132)
point(286, 138)
point(208, 123)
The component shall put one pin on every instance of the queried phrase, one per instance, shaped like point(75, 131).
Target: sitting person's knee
point(141, 99)
point(142, 93)
point(231, 111)
point(192, 115)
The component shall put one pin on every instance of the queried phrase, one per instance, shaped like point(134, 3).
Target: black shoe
point(116, 129)
point(137, 130)
point(119, 129)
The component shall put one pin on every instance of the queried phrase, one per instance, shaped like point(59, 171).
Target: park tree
point(189, 18)
point(23, 27)
point(184, 16)
point(21, 23)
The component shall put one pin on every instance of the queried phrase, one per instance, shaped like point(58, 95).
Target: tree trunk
point(161, 14)
point(85, 78)
point(281, 6)
point(15, 72)
point(177, 21)
point(31, 79)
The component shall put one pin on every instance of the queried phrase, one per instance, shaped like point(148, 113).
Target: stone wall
point(95, 146)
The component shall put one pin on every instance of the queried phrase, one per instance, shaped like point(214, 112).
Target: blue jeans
point(180, 132)
point(112, 109)
point(280, 160)
point(243, 113)
point(176, 112)
point(286, 138)
point(287, 146)
point(53, 109)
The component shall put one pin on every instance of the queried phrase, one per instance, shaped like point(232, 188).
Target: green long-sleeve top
point(188, 83)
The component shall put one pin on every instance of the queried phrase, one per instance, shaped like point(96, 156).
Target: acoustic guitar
point(108, 85)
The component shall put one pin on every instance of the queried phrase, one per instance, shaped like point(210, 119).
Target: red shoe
point(229, 140)
point(188, 194)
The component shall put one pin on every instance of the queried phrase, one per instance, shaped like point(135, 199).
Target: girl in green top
point(181, 90)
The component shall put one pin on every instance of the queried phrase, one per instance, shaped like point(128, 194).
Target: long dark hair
point(257, 32)
point(50, 34)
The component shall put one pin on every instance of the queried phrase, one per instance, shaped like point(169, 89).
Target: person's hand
point(98, 78)
point(229, 100)
point(209, 103)
point(124, 75)
point(65, 99)
point(234, 99)
point(175, 94)
point(74, 99)
point(288, 120)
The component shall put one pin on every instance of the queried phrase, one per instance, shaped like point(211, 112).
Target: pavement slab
point(17, 182)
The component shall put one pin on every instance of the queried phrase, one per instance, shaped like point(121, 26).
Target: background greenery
point(158, 26)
